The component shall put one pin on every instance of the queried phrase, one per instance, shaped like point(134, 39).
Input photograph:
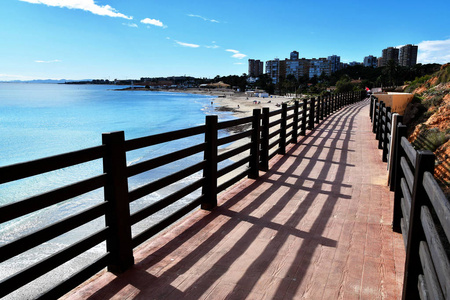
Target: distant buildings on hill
point(405, 56)
point(300, 67)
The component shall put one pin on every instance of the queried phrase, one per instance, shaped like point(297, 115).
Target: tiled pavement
point(316, 226)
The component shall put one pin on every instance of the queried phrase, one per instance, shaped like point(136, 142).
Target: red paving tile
point(316, 226)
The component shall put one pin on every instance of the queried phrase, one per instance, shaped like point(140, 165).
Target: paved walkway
point(316, 226)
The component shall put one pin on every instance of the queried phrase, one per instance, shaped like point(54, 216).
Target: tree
point(344, 85)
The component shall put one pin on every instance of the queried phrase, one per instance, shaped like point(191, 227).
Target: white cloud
point(203, 18)
point(87, 5)
point(236, 54)
point(134, 25)
point(212, 47)
point(187, 44)
point(153, 22)
point(47, 61)
point(238, 63)
point(434, 52)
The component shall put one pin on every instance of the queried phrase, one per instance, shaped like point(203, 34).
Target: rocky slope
point(428, 117)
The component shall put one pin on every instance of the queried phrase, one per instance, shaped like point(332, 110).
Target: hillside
point(428, 117)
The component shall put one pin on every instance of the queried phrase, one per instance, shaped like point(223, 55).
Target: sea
point(41, 120)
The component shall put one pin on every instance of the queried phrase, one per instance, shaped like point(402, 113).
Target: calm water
point(39, 120)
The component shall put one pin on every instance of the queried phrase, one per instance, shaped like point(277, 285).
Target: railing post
point(375, 115)
point(380, 127)
point(255, 141)
point(119, 242)
point(295, 124)
point(397, 119)
point(333, 109)
point(282, 144)
point(322, 104)
point(264, 164)
point(210, 170)
point(312, 107)
point(399, 152)
point(371, 108)
point(318, 110)
point(386, 139)
point(304, 111)
point(413, 268)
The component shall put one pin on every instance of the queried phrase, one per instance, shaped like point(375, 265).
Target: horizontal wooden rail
point(52, 163)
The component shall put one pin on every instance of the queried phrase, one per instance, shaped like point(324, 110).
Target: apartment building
point(335, 63)
point(318, 67)
point(388, 54)
point(255, 67)
point(275, 69)
point(408, 55)
point(370, 61)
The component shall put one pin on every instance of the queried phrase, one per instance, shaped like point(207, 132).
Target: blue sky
point(80, 39)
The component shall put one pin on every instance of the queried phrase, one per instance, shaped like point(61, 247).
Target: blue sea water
point(40, 120)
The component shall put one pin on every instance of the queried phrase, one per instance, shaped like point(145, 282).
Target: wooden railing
point(269, 134)
point(421, 212)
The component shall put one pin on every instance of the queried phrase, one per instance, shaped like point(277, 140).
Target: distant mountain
point(45, 81)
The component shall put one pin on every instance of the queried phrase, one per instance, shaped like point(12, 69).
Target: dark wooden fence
point(421, 211)
point(269, 135)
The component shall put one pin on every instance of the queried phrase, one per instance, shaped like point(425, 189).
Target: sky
point(112, 39)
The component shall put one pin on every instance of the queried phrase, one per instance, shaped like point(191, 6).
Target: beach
point(238, 102)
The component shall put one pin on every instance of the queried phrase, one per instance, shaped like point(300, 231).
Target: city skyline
point(55, 39)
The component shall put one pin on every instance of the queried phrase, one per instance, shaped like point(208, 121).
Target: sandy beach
point(237, 102)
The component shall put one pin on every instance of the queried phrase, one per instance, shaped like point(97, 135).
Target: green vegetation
point(430, 139)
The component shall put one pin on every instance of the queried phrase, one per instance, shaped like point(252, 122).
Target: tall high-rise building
point(318, 67)
point(389, 54)
point(255, 67)
point(275, 69)
point(335, 63)
point(294, 55)
point(370, 61)
point(298, 67)
point(408, 55)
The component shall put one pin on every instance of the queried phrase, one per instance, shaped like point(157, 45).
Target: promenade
point(316, 226)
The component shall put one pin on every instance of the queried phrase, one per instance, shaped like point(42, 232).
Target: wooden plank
point(231, 123)
point(429, 272)
point(17, 209)
point(408, 173)
point(165, 181)
point(234, 137)
point(163, 160)
point(423, 291)
point(438, 254)
point(45, 234)
point(48, 164)
point(407, 195)
point(148, 233)
point(405, 212)
point(166, 201)
point(46, 265)
point(275, 133)
point(232, 181)
point(155, 139)
point(233, 166)
point(440, 203)
point(409, 150)
point(405, 229)
point(77, 279)
point(233, 152)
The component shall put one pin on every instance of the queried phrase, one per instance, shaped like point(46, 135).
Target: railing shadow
point(314, 168)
